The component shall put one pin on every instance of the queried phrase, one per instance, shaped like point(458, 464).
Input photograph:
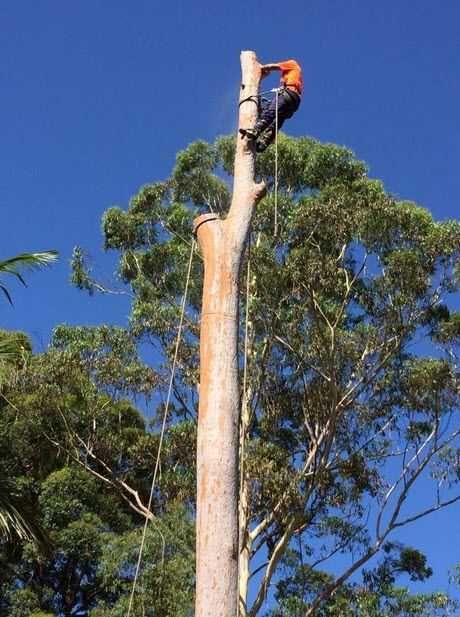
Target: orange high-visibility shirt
point(291, 75)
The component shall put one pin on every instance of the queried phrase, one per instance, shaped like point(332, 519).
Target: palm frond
point(6, 292)
point(17, 521)
point(27, 261)
point(11, 349)
point(12, 524)
point(24, 261)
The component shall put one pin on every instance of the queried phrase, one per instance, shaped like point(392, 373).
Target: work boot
point(261, 146)
point(266, 138)
point(249, 133)
point(264, 141)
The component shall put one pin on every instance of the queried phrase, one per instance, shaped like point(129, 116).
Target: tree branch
point(273, 562)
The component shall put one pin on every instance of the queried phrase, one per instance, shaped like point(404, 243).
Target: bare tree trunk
point(222, 244)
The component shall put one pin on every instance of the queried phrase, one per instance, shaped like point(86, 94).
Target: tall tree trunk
point(222, 244)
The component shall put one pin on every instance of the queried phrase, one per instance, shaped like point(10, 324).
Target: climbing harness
point(163, 425)
point(256, 98)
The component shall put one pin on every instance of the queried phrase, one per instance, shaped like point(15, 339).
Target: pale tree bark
point(222, 243)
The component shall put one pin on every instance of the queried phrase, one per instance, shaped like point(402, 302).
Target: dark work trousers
point(288, 103)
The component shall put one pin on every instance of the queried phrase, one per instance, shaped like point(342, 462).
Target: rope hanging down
point(246, 325)
point(163, 426)
point(275, 230)
point(244, 397)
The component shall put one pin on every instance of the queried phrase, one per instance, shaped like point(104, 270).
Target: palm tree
point(16, 517)
point(24, 261)
point(17, 520)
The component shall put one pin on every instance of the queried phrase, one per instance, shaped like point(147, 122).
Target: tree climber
point(288, 98)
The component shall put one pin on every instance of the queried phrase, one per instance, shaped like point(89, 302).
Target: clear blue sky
point(97, 98)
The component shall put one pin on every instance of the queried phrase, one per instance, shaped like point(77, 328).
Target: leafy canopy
point(352, 395)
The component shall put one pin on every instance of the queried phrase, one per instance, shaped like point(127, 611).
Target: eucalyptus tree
point(351, 389)
point(381, 592)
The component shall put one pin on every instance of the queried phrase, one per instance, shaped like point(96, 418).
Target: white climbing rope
point(163, 426)
point(275, 230)
point(246, 324)
point(244, 401)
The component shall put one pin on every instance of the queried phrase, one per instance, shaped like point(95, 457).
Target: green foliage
point(111, 356)
point(52, 412)
point(168, 558)
point(337, 305)
point(81, 271)
point(17, 521)
point(339, 384)
point(25, 603)
point(65, 495)
point(15, 351)
point(193, 179)
point(305, 163)
point(378, 596)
